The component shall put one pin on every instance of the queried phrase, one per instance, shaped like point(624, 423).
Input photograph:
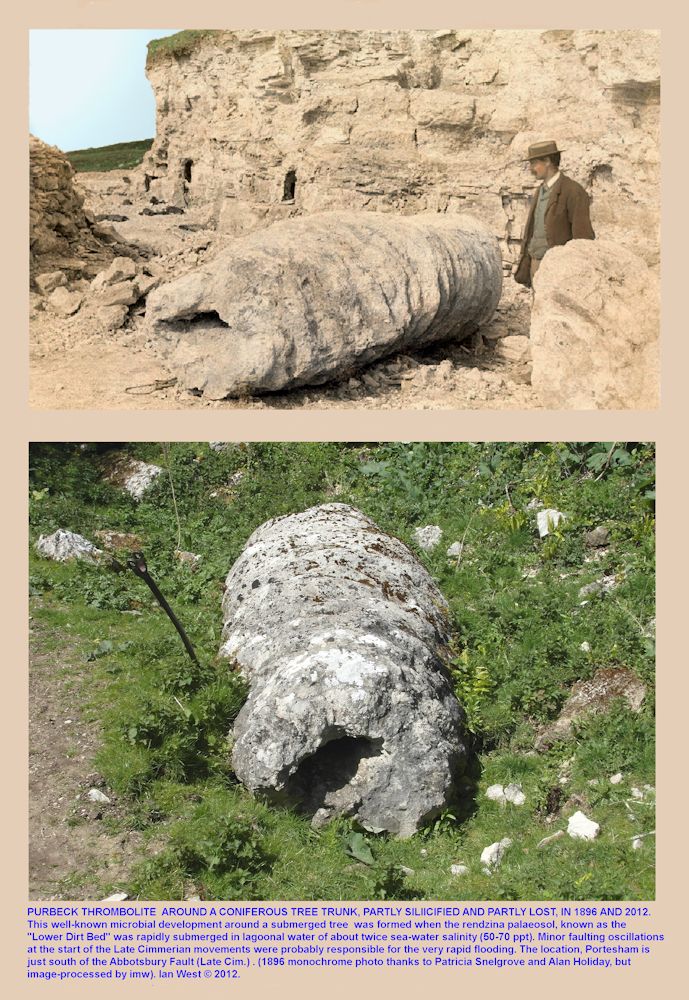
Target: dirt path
point(71, 855)
point(74, 365)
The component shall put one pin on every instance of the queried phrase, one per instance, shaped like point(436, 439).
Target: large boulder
point(594, 329)
point(343, 636)
point(310, 299)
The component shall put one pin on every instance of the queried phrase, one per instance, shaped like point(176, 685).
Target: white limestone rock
point(428, 538)
point(580, 827)
point(63, 546)
point(492, 855)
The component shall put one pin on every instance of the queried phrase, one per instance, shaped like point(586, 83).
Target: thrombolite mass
point(343, 637)
point(340, 290)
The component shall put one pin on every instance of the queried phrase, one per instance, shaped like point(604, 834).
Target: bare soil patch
point(71, 854)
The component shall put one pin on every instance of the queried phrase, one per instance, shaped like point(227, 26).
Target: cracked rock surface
point(311, 299)
point(342, 635)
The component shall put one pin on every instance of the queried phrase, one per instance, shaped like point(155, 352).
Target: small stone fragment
point(47, 283)
point(637, 843)
point(548, 520)
point(64, 302)
point(597, 538)
point(513, 348)
point(601, 586)
point(580, 827)
point(458, 870)
point(111, 318)
point(551, 839)
point(117, 897)
point(592, 696)
point(95, 795)
point(515, 795)
point(121, 269)
point(189, 559)
point(496, 793)
point(145, 284)
point(65, 545)
point(585, 647)
point(492, 855)
point(615, 779)
point(455, 550)
point(429, 537)
point(114, 541)
point(122, 293)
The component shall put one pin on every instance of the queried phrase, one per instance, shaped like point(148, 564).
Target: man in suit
point(558, 213)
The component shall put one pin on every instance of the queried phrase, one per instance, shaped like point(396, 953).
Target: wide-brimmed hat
point(540, 149)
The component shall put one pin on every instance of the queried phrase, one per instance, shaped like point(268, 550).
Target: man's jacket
point(566, 218)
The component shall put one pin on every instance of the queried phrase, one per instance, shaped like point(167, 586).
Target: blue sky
point(88, 88)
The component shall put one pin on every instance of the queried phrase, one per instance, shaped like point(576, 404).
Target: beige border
point(22, 426)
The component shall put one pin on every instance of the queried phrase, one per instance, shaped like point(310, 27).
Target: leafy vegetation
point(178, 45)
point(522, 635)
point(118, 156)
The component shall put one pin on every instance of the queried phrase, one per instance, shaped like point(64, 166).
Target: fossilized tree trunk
point(342, 635)
point(311, 299)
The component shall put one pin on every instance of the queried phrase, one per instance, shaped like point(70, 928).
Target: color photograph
point(342, 671)
point(453, 219)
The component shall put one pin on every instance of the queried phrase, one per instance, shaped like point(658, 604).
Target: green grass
point(180, 44)
point(118, 156)
point(518, 626)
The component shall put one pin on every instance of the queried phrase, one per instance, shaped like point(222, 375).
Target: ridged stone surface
point(311, 299)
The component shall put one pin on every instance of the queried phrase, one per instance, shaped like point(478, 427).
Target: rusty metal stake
point(137, 565)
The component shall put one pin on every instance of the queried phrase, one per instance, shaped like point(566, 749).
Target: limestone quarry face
point(342, 635)
point(594, 328)
point(312, 299)
point(63, 237)
point(265, 124)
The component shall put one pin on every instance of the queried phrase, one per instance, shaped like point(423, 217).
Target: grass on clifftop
point(180, 44)
point(522, 638)
point(118, 156)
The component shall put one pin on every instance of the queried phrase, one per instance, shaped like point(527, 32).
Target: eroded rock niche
point(265, 125)
point(342, 635)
